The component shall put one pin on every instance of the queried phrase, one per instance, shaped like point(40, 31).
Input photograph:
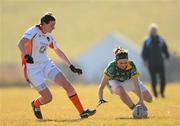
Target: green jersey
point(113, 72)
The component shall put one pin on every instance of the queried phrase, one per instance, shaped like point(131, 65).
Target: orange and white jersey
point(38, 44)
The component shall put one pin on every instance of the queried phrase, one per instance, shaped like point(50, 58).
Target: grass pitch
point(16, 109)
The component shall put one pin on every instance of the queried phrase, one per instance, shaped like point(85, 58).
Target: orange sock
point(75, 100)
point(37, 103)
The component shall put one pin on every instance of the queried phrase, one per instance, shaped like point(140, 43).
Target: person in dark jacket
point(153, 53)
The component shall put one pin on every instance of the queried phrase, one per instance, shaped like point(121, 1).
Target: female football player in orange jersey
point(121, 76)
point(38, 67)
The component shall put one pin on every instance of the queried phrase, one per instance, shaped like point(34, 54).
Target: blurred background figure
point(153, 53)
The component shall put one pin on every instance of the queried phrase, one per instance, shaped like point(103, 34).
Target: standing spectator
point(153, 53)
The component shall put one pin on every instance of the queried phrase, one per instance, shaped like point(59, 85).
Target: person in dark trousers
point(153, 53)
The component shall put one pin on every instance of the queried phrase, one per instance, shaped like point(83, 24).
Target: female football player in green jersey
point(121, 76)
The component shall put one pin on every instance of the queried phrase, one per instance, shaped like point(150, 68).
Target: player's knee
point(120, 91)
point(148, 97)
point(67, 86)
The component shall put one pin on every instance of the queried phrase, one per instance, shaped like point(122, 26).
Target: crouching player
point(38, 67)
point(121, 76)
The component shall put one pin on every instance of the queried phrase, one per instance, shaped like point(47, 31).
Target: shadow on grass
point(59, 120)
point(128, 118)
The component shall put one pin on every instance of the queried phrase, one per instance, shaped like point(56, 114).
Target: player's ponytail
point(120, 53)
point(116, 50)
point(47, 18)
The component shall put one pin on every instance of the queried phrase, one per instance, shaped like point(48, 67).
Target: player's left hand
point(101, 101)
point(75, 70)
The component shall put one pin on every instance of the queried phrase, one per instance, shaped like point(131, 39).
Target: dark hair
point(47, 18)
point(120, 53)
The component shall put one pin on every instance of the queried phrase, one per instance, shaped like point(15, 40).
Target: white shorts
point(39, 73)
point(127, 85)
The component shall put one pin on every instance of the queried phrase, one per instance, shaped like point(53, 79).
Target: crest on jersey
point(48, 38)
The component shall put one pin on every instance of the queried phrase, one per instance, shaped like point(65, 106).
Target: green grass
point(80, 24)
point(16, 109)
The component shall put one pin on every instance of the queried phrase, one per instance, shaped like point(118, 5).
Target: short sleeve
point(30, 33)
point(134, 72)
point(53, 44)
point(109, 70)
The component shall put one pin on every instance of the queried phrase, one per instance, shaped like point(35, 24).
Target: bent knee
point(147, 97)
point(120, 91)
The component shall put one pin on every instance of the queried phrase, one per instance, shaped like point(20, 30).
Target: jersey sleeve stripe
point(106, 76)
point(136, 75)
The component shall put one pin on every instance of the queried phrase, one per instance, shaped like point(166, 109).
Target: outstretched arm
point(61, 55)
point(104, 82)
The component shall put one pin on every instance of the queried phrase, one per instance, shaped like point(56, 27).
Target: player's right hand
point(102, 101)
point(28, 59)
point(144, 106)
point(75, 70)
